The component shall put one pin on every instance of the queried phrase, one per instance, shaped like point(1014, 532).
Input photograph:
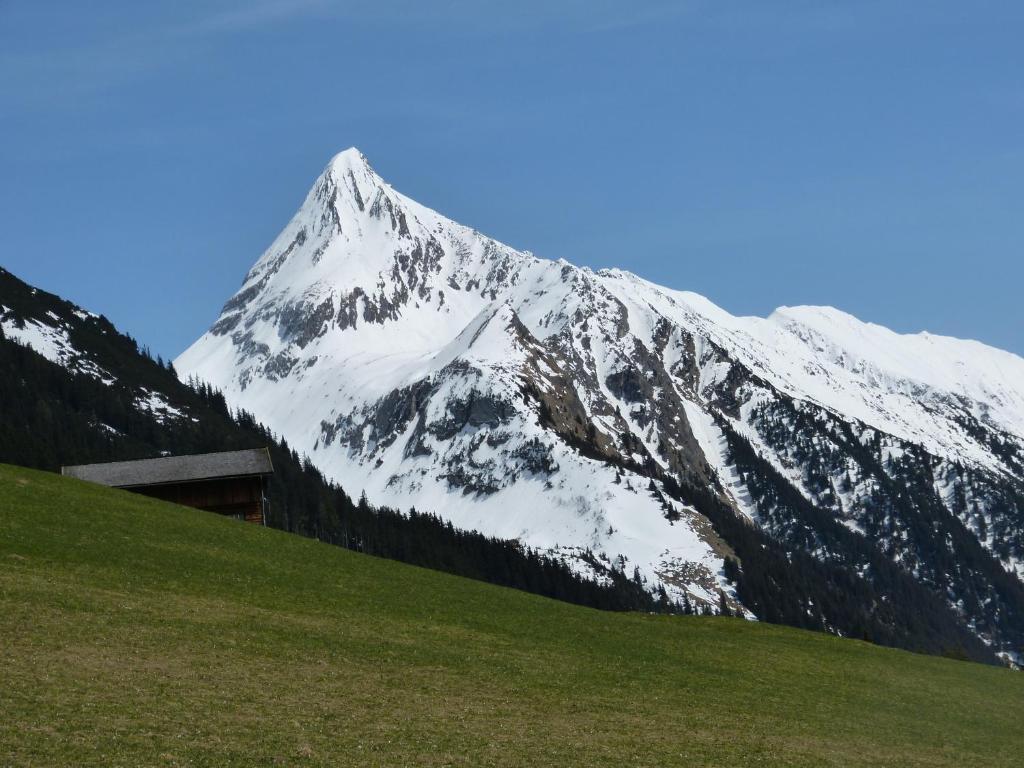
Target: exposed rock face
point(601, 416)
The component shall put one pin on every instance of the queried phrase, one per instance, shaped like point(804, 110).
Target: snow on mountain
point(66, 335)
point(907, 385)
point(49, 336)
point(430, 365)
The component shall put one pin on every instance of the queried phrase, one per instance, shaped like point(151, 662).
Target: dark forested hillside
point(107, 399)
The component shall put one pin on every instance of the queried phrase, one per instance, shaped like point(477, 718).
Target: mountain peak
point(347, 161)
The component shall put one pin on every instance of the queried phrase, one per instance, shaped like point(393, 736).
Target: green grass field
point(134, 632)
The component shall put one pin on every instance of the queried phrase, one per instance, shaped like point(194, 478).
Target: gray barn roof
point(175, 469)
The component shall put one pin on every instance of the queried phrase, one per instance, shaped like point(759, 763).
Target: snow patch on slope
point(716, 451)
point(49, 341)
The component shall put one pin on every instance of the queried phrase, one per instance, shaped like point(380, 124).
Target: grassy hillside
point(133, 632)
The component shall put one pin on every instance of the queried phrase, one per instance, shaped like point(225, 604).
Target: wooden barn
point(231, 483)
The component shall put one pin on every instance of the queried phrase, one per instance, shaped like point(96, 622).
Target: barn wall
point(239, 497)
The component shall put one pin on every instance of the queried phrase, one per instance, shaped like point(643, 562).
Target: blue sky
point(867, 155)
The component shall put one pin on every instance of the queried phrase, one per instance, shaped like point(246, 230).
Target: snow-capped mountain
point(600, 416)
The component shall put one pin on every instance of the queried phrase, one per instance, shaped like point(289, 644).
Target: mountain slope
point(91, 395)
point(135, 632)
point(596, 415)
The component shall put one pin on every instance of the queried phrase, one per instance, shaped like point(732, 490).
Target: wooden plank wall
point(238, 497)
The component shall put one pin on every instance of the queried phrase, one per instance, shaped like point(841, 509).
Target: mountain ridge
point(581, 430)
